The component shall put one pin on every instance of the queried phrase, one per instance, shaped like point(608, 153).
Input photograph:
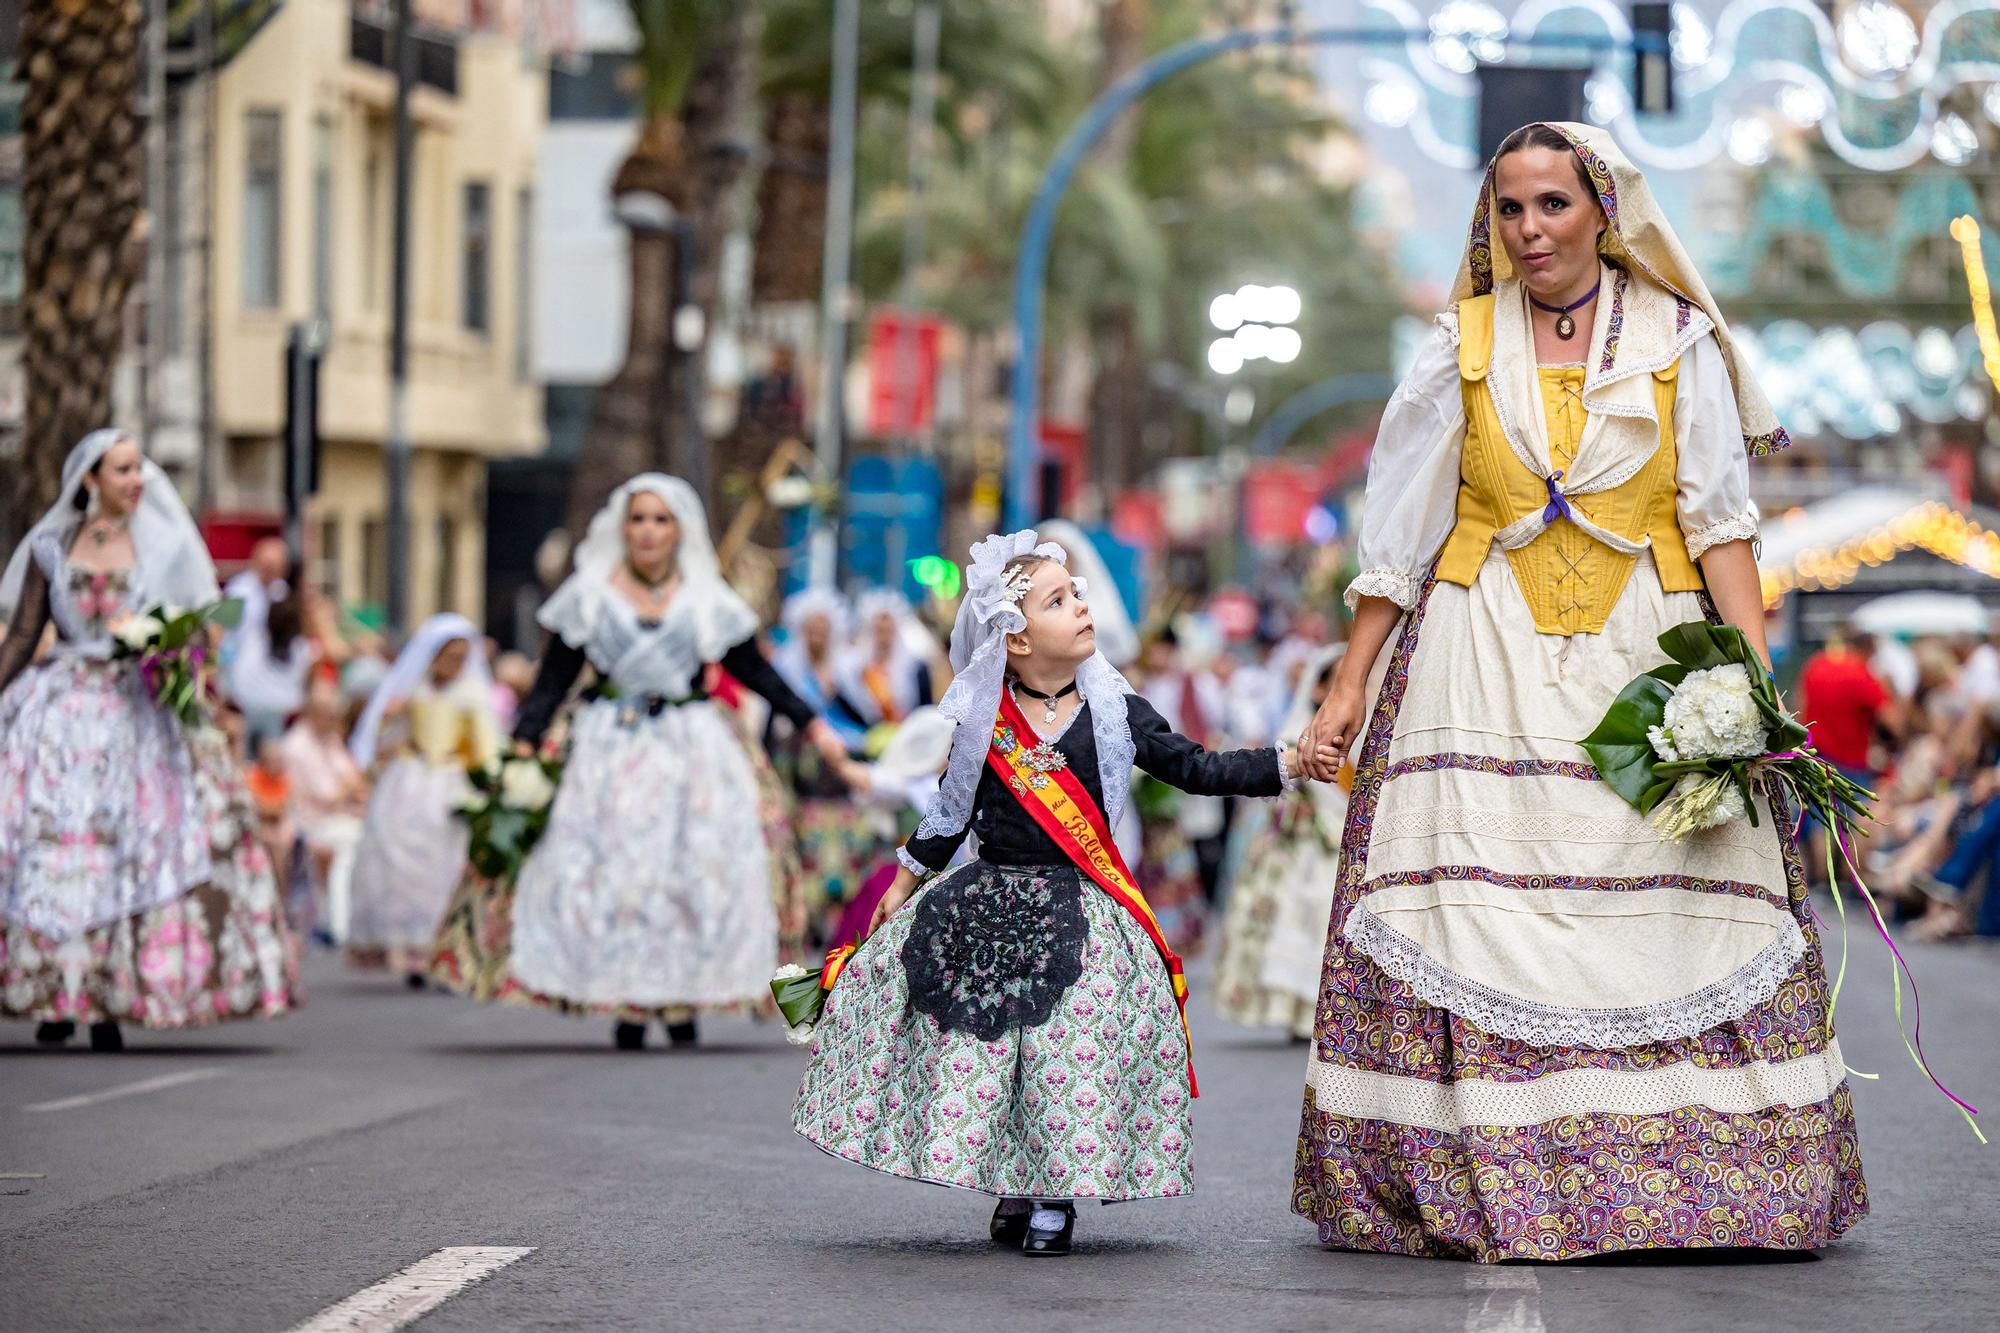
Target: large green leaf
point(1699, 645)
point(1618, 744)
point(227, 613)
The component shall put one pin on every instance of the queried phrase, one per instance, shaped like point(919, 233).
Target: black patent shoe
point(1009, 1229)
point(54, 1034)
point(629, 1036)
point(1050, 1244)
point(683, 1033)
point(106, 1037)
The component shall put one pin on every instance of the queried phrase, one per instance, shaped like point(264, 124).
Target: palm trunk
point(639, 421)
point(80, 199)
point(1117, 438)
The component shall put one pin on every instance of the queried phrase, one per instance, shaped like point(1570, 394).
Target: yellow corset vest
point(1570, 580)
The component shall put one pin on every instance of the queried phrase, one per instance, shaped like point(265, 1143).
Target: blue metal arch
point(1031, 267)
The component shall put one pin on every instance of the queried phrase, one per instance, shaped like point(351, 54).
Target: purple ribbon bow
point(1558, 505)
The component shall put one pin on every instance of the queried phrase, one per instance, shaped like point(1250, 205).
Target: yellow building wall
point(470, 396)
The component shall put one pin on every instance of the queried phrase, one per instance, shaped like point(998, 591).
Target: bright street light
point(1224, 356)
point(1225, 311)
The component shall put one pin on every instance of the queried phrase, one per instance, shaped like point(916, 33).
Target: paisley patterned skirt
point(220, 951)
point(1010, 1031)
point(1542, 1033)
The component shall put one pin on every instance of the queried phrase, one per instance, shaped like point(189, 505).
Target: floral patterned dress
point(1013, 1030)
point(132, 884)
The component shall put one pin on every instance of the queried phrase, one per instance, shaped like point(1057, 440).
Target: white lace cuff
point(912, 864)
point(1286, 778)
point(1737, 527)
point(1393, 584)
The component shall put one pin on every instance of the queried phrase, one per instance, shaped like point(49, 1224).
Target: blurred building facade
point(288, 143)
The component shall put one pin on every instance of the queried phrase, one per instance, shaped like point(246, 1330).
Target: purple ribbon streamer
point(1558, 505)
point(1916, 1003)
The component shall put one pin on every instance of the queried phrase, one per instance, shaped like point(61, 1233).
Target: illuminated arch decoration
point(1762, 58)
point(1825, 546)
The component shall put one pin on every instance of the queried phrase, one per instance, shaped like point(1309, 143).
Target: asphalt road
point(251, 1177)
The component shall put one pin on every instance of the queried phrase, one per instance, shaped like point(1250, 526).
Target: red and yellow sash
point(1058, 803)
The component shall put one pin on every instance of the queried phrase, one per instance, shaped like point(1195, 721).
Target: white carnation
point(136, 632)
point(523, 785)
point(802, 1035)
point(471, 803)
point(1662, 742)
point(1713, 715)
point(789, 972)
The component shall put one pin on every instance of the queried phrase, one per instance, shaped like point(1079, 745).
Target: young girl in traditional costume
point(429, 723)
point(1015, 1028)
point(1543, 1030)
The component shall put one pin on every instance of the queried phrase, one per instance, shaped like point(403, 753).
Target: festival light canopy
point(1827, 545)
point(1871, 83)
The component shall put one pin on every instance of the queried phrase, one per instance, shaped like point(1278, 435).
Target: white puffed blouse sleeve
point(1713, 471)
point(1411, 500)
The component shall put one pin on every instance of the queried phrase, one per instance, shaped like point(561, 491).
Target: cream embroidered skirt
point(1543, 1032)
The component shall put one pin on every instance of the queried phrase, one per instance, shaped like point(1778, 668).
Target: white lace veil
point(1116, 638)
point(721, 618)
point(409, 670)
point(979, 657)
point(173, 561)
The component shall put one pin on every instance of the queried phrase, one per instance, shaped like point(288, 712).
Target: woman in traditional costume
point(1274, 930)
point(649, 895)
point(133, 888)
point(429, 723)
point(835, 850)
point(883, 677)
point(1016, 1030)
point(1543, 1031)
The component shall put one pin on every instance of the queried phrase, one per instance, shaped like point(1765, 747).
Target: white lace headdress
point(721, 618)
point(173, 560)
point(990, 612)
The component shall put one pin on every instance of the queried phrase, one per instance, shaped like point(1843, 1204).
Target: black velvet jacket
point(1009, 836)
point(562, 664)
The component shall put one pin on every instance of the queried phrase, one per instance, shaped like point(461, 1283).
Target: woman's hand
point(1329, 739)
point(897, 894)
point(523, 748)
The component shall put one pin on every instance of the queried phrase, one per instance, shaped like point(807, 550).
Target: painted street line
point(24, 1175)
point(402, 1299)
point(1507, 1300)
point(144, 1085)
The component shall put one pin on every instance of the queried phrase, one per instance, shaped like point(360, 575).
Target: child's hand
point(1323, 760)
point(898, 893)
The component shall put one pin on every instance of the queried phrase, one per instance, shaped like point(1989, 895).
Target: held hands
point(827, 741)
point(1330, 737)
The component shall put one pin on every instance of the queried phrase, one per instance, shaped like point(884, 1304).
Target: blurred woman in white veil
point(133, 888)
point(650, 895)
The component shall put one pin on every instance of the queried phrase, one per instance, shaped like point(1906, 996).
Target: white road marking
point(403, 1298)
point(1509, 1300)
point(24, 1175)
point(144, 1085)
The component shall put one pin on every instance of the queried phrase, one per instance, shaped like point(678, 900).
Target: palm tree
point(694, 65)
point(80, 201)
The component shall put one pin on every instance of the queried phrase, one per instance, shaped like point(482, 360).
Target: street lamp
point(1258, 321)
point(645, 212)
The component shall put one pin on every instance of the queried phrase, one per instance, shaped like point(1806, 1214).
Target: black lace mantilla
point(994, 948)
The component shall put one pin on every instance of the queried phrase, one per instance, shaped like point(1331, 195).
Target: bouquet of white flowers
point(507, 809)
point(171, 648)
point(1691, 742)
point(1688, 742)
